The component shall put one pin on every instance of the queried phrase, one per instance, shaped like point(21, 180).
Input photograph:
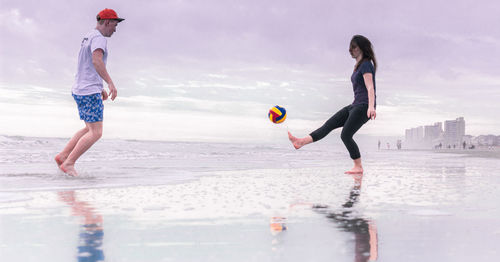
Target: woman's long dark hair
point(366, 47)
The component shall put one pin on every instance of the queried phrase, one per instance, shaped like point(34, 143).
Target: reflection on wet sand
point(91, 230)
point(364, 230)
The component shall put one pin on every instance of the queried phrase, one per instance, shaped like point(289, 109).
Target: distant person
point(399, 144)
point(388, 146)
point(88, 90)
point(379, 145)
point(464, 144)
point(355, 115)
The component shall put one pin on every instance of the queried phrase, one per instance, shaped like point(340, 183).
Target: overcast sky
point(210, 70)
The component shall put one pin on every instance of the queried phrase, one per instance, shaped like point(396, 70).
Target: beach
point(180, 201)
point(482, 152)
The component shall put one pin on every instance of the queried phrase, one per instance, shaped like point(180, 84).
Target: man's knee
point(96, 131)
point(98, 134)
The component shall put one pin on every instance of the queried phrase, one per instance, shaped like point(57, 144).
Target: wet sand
point(408, 206)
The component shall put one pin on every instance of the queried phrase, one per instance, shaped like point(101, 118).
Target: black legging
point(351, 118)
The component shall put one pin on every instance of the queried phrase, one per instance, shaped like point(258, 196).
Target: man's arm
point(100, 67)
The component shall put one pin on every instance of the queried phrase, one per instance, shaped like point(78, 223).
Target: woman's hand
point(371, 113)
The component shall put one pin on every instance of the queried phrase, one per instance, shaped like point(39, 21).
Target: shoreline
point(481, 152)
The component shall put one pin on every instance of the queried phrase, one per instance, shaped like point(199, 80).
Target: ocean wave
point(27, 163)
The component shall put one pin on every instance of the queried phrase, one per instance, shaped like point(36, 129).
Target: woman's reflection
point(91, 231)
point(364, 230)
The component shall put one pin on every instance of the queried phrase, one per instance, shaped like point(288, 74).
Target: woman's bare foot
point(294, 141)
point(355, 171)
point(299, 142)
point(68, 169)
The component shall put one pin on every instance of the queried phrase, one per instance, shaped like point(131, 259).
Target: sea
point(205, 201)
point(27, 163)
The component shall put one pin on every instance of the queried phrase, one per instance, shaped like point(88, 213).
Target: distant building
point(454, 131)
point(434, 136)
point(487, 140)
point(414, 136)
point(433, 132)
point(408, 135)
point(452, 137)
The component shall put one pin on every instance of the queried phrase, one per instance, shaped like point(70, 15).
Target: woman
point(353, 116)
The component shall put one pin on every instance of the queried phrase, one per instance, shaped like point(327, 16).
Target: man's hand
point(104, 95)
point(112, 91)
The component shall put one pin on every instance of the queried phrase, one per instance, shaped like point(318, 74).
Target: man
point(88, 90)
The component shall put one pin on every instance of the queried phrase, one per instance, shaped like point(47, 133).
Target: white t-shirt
point(87, 80)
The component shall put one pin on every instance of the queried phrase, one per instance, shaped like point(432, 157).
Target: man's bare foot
point(68, 169)
point(59, 160)
point(354, 171)
point(296, 142)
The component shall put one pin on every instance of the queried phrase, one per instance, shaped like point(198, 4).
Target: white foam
point(27, 163)
point(13, 197)
point(429, 212)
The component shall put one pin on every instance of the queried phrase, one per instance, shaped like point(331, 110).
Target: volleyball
point(277, 114)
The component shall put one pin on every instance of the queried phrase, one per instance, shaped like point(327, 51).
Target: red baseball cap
point(109, 14)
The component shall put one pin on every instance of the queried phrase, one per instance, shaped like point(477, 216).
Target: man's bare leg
point(83, 144)
point(61, 157)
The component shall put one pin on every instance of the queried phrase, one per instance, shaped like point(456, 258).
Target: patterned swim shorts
point(90, 107)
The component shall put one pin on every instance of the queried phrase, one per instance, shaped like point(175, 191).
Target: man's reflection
point(364, 230)
point(91, 231)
